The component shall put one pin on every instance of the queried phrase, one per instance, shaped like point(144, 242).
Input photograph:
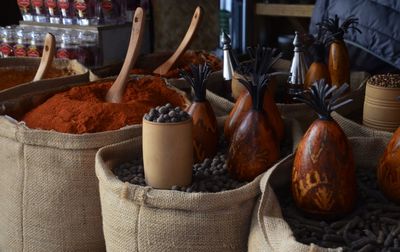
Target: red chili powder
point(190, 57)
point(10, 77)
point(83, 109)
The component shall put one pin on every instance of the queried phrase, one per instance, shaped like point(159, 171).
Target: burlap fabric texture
point(49, 197)
point(269, 231)
point(137, 218)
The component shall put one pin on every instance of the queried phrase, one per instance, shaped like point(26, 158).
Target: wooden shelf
point(284, 10)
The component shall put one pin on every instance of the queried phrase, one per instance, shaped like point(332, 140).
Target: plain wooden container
point(167, 153)
point(381, 108)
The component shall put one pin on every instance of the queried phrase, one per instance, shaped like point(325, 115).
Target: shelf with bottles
point(79, 12)
point(284, 10)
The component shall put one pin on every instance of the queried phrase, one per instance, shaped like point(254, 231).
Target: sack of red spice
point(49, 198)
point(270, 230)
point(140, 218)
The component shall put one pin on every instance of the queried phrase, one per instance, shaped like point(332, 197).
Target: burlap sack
point(76, 72)
point(139, 218)
point(269, 231)
point(49, 198)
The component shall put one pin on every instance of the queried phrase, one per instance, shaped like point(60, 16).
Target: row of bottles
point(81, 12)
point(16, 41)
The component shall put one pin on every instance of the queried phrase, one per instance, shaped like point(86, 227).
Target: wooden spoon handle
point(116, 92)
point(166, 66)
point(49, 50)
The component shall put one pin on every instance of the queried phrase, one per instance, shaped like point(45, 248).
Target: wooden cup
point(167, 153)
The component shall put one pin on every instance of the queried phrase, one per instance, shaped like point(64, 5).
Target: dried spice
point(166, 114)
point(189, 58)
point(339, 62)
point(373, 226)
point(83, 109)
point(323, 175)
point(11, 77)
point(385, 80)
point(205, 131)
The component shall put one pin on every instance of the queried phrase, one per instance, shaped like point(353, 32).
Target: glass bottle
point(53, 11)
point(113, 11)
point(25, 9)
point(87, 12)
point(39, 11)
point(20, 48)
point(36, 43)
point(66, 8)
point(8, 42)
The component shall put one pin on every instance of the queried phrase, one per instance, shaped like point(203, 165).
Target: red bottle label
point(24, 3)
point(63, 4)
point(19, 51)
point(51, 4)
point(5, 49)
point(63, 54)
point(106, 5)
point(33, 52)
point(37, 3)
point(80, 5)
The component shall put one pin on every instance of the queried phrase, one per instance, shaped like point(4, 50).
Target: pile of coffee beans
point(209, 176)
point(166, 114)
point(373, 226)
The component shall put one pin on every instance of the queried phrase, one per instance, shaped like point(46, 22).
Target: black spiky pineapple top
point(331, 25)
point(197, 79)
point(255, 75)
point(323, 98)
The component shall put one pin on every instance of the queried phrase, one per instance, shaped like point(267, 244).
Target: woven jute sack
point(49, 198)
point(269, 230)
point(73, 70)
point(137, 218)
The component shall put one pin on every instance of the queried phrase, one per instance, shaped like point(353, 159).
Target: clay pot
point(167, 153)
point(254, 147)
point(323, 175)
point(388, 172)
point(381, 108)
point(205, 131)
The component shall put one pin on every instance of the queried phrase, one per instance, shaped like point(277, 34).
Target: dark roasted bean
point(360, 242)
point(367, 248)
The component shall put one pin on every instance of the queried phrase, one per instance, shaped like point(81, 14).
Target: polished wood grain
point(243, 105)
point(388, 172)
point(323, 175)
point(253, 148)
point(205, 130)
point(317, 71)
point(339, 63)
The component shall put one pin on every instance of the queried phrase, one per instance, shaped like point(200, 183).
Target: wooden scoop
point(166, 66)
point(116, 92)
point(49, 49)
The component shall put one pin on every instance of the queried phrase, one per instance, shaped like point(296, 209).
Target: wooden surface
point(286, 10)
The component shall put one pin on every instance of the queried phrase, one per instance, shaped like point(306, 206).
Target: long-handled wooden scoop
point(116, 92)
point(166, 66)
point(49, 49)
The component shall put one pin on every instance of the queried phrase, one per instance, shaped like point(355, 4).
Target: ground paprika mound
point(190, 57)
point(10, 77)
point(83, 109)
